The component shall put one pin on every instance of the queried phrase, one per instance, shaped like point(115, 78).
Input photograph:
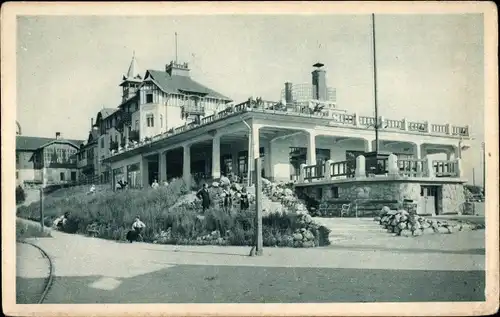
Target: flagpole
point(176, 47)
point(375, 84)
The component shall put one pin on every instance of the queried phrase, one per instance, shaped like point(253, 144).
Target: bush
point(112, 214)
point(25, 230)
point(20, 195)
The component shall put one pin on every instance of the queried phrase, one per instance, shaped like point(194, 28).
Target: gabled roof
point(32, 143)
point(106, 112)
point(182, 84)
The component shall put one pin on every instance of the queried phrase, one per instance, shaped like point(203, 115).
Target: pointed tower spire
point(133, 69)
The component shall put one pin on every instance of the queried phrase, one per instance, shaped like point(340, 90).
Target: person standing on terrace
point(204, 196)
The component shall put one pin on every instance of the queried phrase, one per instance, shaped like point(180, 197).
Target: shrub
point(20, 195)
point(112, 214)
point(25, 230)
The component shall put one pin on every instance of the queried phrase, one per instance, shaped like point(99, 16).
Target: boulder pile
point(303, 238)
point(283, 193)
point(402, 223)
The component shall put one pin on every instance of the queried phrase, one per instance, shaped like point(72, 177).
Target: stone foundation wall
point(453, 198)
point(450, 198)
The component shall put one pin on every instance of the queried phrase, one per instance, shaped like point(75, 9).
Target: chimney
point(58, 135)
point(288, 92)
point(319, 82)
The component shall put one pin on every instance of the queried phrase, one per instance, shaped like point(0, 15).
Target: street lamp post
point(483, 148)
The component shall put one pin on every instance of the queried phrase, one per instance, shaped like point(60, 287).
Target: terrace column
point(162, 166)
point(311, 148)
point(368, 145)
point(186, 164)
point(418, 151)
point(216, 157)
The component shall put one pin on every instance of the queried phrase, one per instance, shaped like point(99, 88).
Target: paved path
point(32, 272)
point(434, 268)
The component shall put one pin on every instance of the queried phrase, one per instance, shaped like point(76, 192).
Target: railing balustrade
point(394, 124)
point(443, 168)
point(335, 116)
point(339, 169)
point(380, 166)
point(412, 167)
point(312, 172)
point(417, 126)
point(439, 128)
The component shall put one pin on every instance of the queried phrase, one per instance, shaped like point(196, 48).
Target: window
point(17, 175)
point(150, 120)
point(161, 121)
point(73, 176)
point(17, 158)
point(149, 98)
point(62, 176)
point(102, 143)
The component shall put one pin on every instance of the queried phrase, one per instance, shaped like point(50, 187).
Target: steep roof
point(182, 84)
point(133, 72)
point(106, 112)
point(32, 143)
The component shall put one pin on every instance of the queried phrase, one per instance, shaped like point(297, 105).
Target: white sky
point(430, 67)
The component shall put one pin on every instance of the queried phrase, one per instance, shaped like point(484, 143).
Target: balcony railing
point(412, 167)
point(422, 168)
point(336, 117)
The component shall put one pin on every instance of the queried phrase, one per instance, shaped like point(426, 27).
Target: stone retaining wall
point(450, 198)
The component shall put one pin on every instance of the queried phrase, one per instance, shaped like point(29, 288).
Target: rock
point(404, 212)
point(402, 225)
point(297, 244)
point(442, 230)
point(308, 244)
point(397, 218)
point(394, 222)
point(406, 233)
point(417, 226)
point(392, 213)
point(425, 225)
point(385, 210)
point(417, 232)
point(428, 230)
point(215, 184)
point(297, 237)
point(397, 230)
point(288, 192)
point(404, 218)
point(308, 235)
point(451, 230)
point(376, 219)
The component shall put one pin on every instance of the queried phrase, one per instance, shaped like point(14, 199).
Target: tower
point(319, 82)
point(131, 81)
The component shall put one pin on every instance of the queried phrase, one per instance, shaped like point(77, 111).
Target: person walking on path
point(227, 200)
point(244, 203)
point(204, 196)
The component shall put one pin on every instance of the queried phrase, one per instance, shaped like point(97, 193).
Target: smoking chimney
point(288, 92)
point(319, 82)
point(58, 135)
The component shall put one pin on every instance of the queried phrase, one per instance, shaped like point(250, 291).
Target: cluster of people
point(226, 201)
point(155, 184)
